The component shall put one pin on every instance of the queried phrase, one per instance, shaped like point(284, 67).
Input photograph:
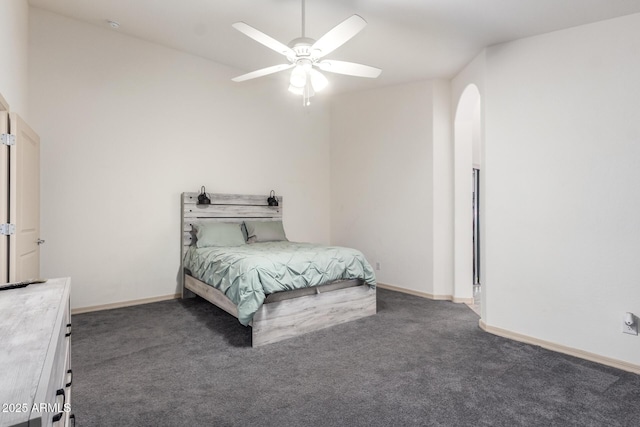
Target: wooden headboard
point(225, 208)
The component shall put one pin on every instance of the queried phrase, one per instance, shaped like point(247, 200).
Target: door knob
point(39, 241)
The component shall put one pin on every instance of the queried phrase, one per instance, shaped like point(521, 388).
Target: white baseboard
point(81, 310)
point(463, 300)
point(425, 294)
point(615, 363)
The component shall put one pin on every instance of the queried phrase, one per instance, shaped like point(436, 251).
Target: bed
point(284, 310)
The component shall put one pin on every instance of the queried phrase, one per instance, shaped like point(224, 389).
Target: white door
point(4, 197)
point(24, 201)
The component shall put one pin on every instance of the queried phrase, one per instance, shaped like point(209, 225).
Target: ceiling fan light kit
point(305, 53)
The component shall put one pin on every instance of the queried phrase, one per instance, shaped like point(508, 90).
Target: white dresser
point(35, 355)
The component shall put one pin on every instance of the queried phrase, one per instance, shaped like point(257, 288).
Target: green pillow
point(265, 231)
point(219, 234)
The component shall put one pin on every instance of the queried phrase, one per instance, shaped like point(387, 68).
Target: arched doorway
point(467, 172)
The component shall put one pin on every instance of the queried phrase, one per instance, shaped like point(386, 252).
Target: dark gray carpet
point(417, 362)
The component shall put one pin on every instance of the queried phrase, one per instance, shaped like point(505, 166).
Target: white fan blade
point(263, 72)
point(261, 37)
point(338, 36)
point(349, 68)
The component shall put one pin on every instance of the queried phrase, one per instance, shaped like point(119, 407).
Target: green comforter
point(246, 273)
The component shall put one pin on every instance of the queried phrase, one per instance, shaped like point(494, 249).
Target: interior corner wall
point(127, 126)
point(442, 169)
point(382, 180)
point(14, 44)
point(562, 150)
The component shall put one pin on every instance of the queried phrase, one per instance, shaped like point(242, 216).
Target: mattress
point(247, 273)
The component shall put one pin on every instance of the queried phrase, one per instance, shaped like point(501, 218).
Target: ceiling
point(408, 39)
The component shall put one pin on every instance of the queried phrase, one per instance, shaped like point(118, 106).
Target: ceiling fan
point(305, 55)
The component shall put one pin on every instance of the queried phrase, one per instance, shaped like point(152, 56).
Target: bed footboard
point(289, 318)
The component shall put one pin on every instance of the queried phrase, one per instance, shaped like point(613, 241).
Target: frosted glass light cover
point(298, 77)
point(318, 80)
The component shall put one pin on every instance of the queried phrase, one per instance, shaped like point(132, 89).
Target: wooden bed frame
point(279, 320)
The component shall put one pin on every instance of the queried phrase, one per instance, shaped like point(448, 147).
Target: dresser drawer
point(56, 407)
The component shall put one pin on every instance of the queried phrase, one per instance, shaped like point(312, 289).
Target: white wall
point(382, 180)
point(476, 136)
point(127, 125)
point(442, 184)
point(14, 41)
point(473, 73)
point(562, 151)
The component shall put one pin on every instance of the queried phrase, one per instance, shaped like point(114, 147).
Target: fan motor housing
point(302, 46)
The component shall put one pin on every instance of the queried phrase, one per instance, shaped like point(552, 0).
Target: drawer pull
point(64, 396)
point(57, 417)
point(68, 334)
point(70, 373)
